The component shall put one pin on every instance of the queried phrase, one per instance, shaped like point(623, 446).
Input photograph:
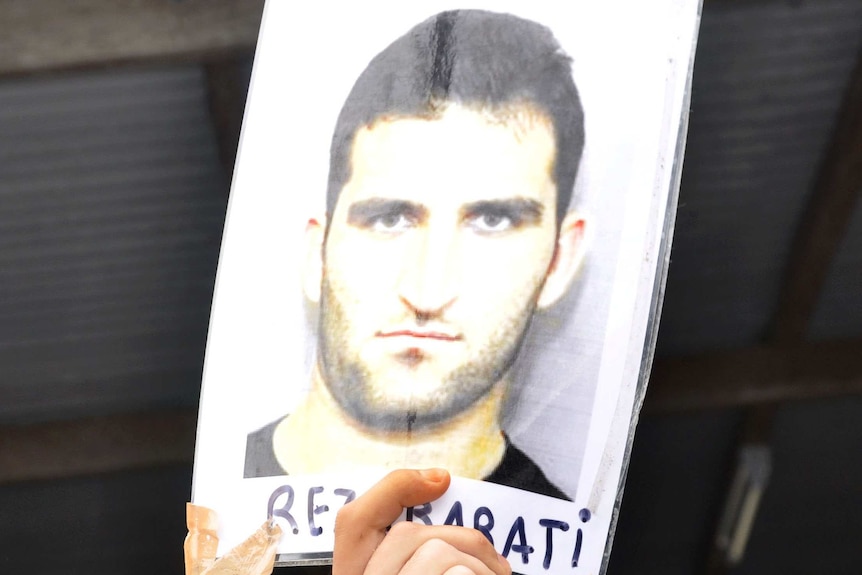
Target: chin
point(401, 415)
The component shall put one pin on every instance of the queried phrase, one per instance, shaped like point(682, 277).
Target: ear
point(568, 255)
point(312, 272)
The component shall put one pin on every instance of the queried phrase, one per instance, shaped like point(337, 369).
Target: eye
point(490, 222)
point(391, 223)
point(385, 216)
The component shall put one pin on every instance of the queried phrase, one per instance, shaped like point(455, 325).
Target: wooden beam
point(741, 378)
point(756, 376)
point(825, 219)
point(95, 445)
point(49, 35)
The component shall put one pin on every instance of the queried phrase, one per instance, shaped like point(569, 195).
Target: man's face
point(437, 251)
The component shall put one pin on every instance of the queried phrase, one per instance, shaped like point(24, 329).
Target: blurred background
point(119, 122)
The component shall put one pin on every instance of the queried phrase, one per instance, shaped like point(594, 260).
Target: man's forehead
point(462, 156)
point(518, 115)
point(507, 153)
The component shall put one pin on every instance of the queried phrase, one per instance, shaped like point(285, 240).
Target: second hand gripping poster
point(445, 247)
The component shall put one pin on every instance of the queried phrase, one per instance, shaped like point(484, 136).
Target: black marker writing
point(420, 512)
point(285, 494)
point(522, 547)
point(282, 499)
point(348, 494)
point(284, 510)
point(456, 515)
point(576, 556)
point(315, 510)
point(485, 527)
point(550, 525)
point(585, 516)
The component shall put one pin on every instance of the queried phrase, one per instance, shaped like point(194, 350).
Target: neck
point(469, 445)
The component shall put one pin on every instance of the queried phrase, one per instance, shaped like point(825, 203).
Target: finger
point(459, 570)
point(408, 540)
point(437, 556)
point(361, 525)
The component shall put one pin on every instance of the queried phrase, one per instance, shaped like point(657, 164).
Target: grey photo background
point(556, 376)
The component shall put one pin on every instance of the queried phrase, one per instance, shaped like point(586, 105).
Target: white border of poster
point(582, 382)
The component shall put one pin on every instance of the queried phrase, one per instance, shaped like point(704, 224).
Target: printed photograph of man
point(448, 227)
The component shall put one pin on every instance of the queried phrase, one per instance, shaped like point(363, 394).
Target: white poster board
point(571, 398)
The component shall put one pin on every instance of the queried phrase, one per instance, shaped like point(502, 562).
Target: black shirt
point(515, 469)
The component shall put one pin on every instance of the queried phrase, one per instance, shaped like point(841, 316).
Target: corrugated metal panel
point(768, 83)
point(123, 523)
point(113, 202)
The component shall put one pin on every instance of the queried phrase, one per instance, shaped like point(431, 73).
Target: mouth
point(419, 334)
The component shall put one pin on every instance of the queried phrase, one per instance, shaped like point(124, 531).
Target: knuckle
point(478, 539)
point(345, 514)
point(402, 529)
point(433, 548)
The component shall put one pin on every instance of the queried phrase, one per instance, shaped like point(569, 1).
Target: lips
point(419, 334)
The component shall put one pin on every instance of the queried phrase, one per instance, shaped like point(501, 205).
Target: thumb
point(361, 525)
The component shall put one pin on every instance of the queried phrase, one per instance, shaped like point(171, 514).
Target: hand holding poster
point(469, 279)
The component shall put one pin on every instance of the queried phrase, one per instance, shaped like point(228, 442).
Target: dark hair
point(475, 58)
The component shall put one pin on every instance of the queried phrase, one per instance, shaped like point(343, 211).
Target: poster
point(445, 246)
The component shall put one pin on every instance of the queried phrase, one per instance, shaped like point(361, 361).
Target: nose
point(430, 273)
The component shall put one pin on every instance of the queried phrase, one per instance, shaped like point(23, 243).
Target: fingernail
point(435, 474)
point(504, 562)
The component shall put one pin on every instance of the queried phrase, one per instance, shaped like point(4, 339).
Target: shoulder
point(260, 458)
point(517, 470)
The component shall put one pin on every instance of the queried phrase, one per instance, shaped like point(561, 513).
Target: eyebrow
point(364, 212)
point(522, 211)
